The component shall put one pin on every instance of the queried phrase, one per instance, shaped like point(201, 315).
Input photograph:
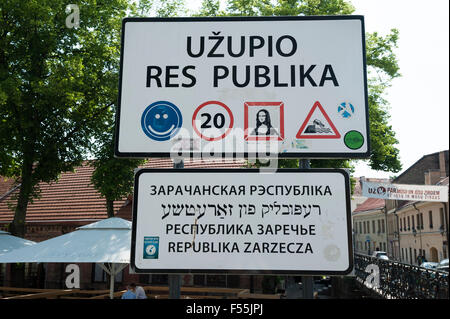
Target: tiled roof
point(370, 204)
point(73, 197)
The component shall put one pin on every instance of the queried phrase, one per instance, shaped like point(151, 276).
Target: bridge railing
point(395, 280)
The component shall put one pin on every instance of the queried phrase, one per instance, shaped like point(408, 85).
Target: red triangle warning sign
point(317, 125)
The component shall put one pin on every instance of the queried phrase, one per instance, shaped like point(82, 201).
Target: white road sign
point(288, 86)
point(241, 221)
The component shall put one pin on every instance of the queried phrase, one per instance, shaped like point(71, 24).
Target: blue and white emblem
point(161, 120)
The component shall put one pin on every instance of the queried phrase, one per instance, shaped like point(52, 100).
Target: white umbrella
point(9, 242)
point(106, 242)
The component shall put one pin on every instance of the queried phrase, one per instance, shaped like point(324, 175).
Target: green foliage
point(382, 62)
point(380, 53)
point(305, 7)
point(209, 8)
point(170, 8)
point(57, 83)
point(114, 177)
point(248, 7)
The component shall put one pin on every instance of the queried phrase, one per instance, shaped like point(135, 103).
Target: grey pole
point(175, 280)
point(308, 283)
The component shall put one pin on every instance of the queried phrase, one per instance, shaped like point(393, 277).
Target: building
point(369, 226)
point(420, 228)
point(357, 196)
point(364, 211)
point(422, 231)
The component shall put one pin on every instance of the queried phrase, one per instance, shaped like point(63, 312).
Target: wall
point(427, 238)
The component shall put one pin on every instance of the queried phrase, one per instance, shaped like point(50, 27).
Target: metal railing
point(394, 280)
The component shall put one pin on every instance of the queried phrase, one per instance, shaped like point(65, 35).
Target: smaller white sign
point(420, 193)
point(241, 221)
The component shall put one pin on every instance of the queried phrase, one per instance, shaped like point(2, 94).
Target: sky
point(419, 99)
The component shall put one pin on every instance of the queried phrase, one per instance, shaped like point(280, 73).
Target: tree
point(382, 69)
point(58, 87)
point(170, 8)
point(209, 8)
point(113, 177)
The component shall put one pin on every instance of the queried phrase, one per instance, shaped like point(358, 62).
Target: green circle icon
point(353, 140)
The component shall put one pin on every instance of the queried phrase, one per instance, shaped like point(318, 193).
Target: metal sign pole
point(308, 283)
point(175, 280)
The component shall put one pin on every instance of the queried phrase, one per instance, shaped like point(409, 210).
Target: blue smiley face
point(161, 120)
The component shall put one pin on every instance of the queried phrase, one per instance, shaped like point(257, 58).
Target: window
point(418, 221)
point(360, 228)
point(373, 226)
point(413, 224)
point(364, 227)
point(382, 226)
point(409, 224)
point(379, 226)
point(403, 254)
point(430, 216)
point(401, 225)
point(421, 221)
point(441, 215)
point(404, 223)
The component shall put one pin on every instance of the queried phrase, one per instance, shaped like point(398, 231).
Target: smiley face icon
point(161, 120)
